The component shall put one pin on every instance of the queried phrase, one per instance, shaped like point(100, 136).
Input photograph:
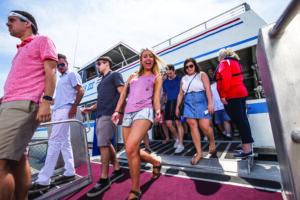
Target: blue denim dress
point(195, 105)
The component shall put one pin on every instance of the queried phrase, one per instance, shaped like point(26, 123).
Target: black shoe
point(242, 154)
point(35, 187)
point(64, 179)
point(100, 187)
point(116, 175)
point(228, 137)
point(237, 148)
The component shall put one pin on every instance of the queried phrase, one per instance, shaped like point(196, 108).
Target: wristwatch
point(48, 98)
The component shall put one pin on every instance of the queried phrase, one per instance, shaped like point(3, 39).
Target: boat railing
point(242, 8)
point(37, 155)
point(286, 17)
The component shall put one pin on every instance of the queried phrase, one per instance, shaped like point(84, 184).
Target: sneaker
point(176, 143)
point(228, 137)
point(64, 179)
point(100, 187)
point(179, 148)
point(242, 154)
point(35, 187)
point(205, 139)
point(238, 148)
point(116, 175)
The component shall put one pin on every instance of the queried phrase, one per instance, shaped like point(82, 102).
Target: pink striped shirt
point(26, 79)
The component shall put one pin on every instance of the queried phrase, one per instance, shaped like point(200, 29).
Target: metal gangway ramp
point(37, 155)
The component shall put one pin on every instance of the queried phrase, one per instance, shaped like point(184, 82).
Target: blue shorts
point(221, 116)
point(145, 113)
point(195, 106)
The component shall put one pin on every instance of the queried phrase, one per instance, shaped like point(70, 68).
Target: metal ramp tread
point(222, 161)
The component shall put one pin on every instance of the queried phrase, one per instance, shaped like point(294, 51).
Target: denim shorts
point(221, 116)
point(145, 113)
point(195, 106)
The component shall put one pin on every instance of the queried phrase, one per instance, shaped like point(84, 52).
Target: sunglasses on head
point(61, 65)
point(189, 66)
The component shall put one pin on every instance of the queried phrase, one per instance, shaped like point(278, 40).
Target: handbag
point(181, 106)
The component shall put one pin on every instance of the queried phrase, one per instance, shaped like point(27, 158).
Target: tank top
point(141, 93)
point(196, 85)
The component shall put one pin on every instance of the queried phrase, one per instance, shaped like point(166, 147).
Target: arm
point(79, 95)
point(89, 109)
point(206, 84)
point(163, 100)
point(179, 100)
point(44, 112)
point(226, 74)
point(156, 99)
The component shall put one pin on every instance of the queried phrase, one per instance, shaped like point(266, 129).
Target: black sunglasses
point(189, 66)
point(61, 65)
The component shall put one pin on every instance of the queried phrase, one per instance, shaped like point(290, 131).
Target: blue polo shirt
point(65, 90)
point(108, 94)
point(172, 87)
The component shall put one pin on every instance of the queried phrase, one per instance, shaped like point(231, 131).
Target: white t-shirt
point(218, 105)
point(196, 85)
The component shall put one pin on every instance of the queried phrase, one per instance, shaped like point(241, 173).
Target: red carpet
point(170, 188)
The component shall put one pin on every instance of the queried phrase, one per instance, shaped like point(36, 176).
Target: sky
point(83, 29)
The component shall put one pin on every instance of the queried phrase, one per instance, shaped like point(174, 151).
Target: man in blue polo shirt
point(69, 92)
point(109, 90)
point(171, 88)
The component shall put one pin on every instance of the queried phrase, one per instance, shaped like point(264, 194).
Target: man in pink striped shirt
point(26, 102)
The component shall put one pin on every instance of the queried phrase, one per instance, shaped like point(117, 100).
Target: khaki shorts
point(18, 124)
point(104, 130)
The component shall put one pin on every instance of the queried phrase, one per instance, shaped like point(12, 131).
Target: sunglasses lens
point(61, 65)
point(98, 63)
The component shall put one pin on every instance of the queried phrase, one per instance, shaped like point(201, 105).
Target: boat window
point(91, 72)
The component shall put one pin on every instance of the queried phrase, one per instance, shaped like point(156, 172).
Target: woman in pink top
point(145, 88)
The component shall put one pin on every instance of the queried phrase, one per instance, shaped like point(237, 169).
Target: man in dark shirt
point(171, 87)
point(109, 90)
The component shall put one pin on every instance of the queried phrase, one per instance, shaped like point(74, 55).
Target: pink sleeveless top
point(140, 93)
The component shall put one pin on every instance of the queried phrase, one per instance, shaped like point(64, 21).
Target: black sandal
point(137, 194)
point(156, 174)
point(148, 151)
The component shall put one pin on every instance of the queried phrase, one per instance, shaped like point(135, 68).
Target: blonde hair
point(227, 52)
point(155, 67)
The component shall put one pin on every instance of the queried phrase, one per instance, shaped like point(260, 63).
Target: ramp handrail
point(286, 17)
point(232, 12)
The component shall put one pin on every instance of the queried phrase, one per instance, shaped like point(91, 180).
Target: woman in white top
point(198, 105)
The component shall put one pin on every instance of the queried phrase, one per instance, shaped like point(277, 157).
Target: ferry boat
point(270, 174)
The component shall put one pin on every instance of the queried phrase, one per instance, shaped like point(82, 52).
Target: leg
point(236, 109)
point(166, 132)
point(105, 158)
point(195, 135)
point(146, 141)
point(208, 132)
point(113, 158)
point(180, 131)
point(227, 127)
point(170, 126)
point(133, 138)
point(67, 153)
point(7, 183)
point(22, 175)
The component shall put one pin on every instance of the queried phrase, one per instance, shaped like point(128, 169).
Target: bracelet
point(119, 112)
